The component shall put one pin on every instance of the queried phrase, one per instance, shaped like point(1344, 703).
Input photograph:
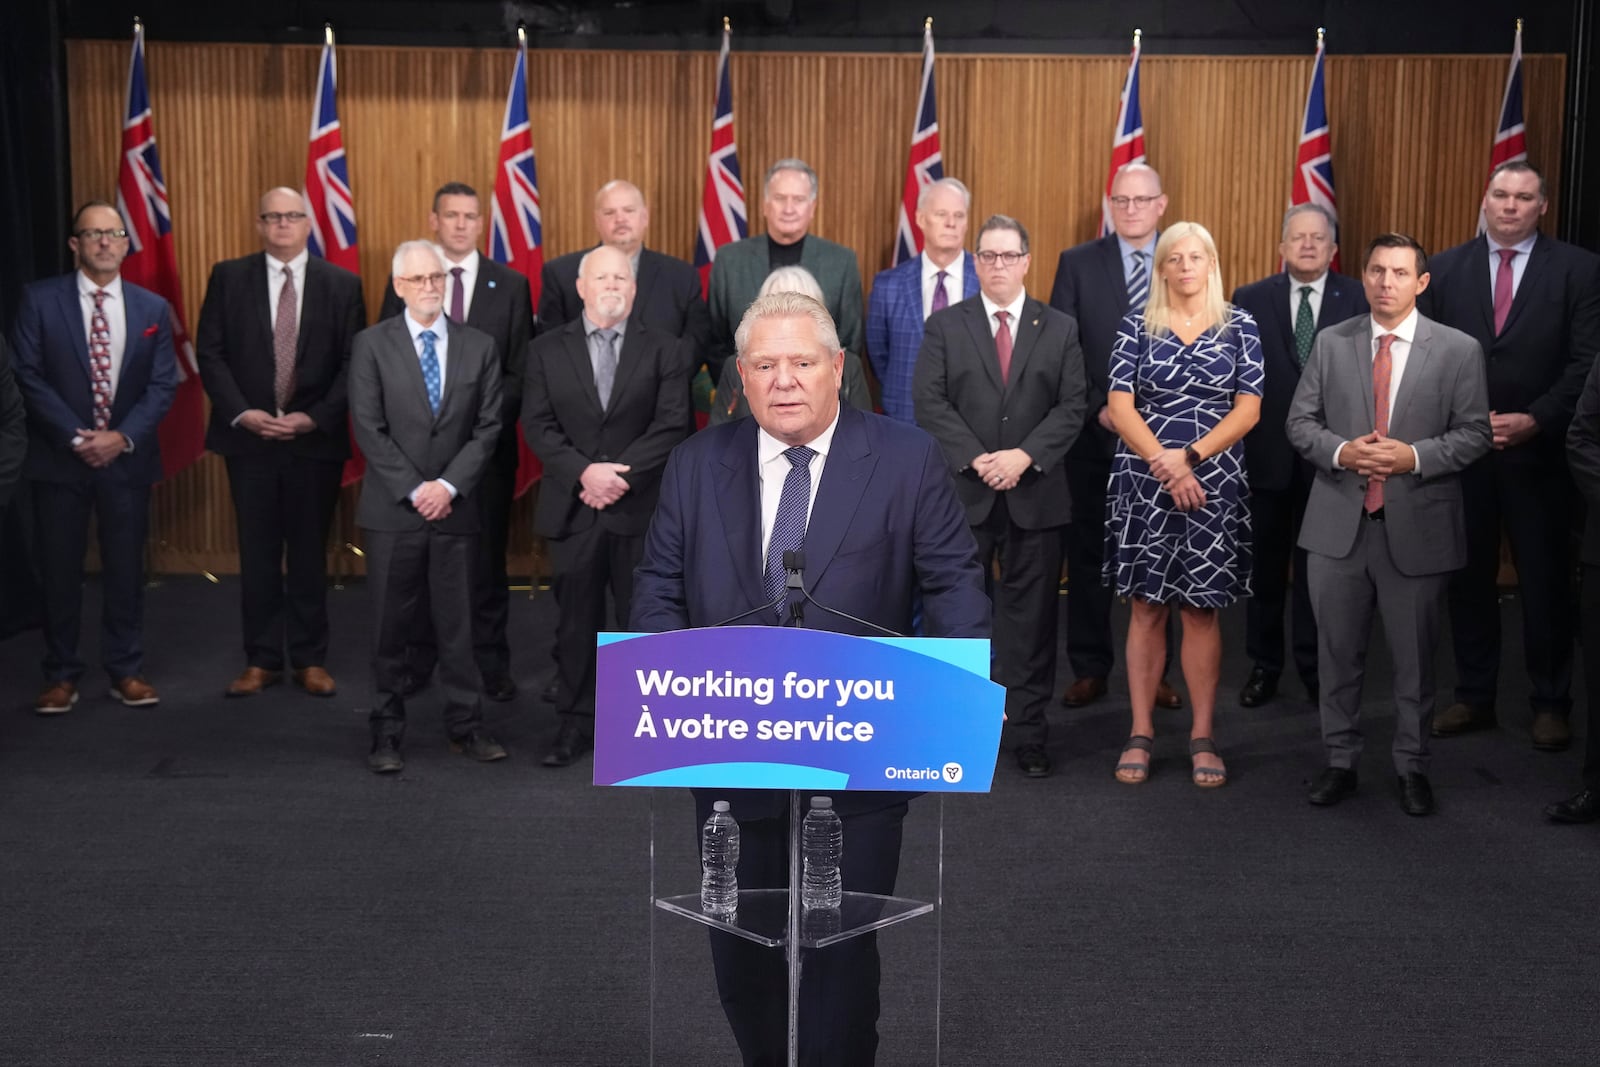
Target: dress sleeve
point(1130, 345)
point(1250, 373)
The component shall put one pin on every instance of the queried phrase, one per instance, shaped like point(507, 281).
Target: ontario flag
point(153, 262)
point(1511, 136)
point(515, 231)
point(925, 163)
point(1127, 143)
point(722, 215)
point(1313, 164)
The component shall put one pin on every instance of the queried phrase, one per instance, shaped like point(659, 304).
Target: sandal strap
point(1198, 745)
point(1140, 743)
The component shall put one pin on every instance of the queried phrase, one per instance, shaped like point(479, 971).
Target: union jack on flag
point(925, 164)
point(327, 192)
point(1127, 143)
point(1313, 164)
point(722, 214)
point(1511, 136)
point(153, 262)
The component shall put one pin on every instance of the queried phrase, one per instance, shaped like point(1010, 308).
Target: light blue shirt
point(441, 346)
point(1519, 262)
point(1128, 252)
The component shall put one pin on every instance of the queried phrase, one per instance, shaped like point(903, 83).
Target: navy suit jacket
point(1092, 287)
point(894, 329)
point(1269, 458)
point(52, 353)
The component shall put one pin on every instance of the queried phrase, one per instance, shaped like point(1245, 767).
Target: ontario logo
point(950, 773)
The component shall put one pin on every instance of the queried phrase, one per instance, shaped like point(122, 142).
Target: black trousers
point(284, 506)
point(583, 567)
point(1590, 621)
point(1532, 502)
point(838, 1022)
point(1025, 613)
point(61, 537)
point(1276, 515)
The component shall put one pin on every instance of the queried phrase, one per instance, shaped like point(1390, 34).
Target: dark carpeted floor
point(220, 882)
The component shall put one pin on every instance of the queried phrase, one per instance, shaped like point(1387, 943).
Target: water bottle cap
point(821, 802)
point(721, 805)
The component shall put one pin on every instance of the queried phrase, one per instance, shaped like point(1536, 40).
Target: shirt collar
point(769, 448)
point(930, 269)
point(440, 327)
point(1148, 251)
point(1317, 286)
point(468, 264)
point(1525, 246)
point(1403, 332)
point(297, 265)
point(590, 329)
point(113, 288)
point(1015, 307)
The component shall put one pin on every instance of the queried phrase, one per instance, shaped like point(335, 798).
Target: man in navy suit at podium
point(869, 503)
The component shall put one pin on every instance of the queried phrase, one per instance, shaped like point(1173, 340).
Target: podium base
point(763, 916)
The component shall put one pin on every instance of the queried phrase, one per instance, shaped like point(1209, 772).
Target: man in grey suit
point(425, 404)
point(788, 203)
point(1391, 407)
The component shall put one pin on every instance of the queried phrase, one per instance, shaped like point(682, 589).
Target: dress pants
point(284, 505)
point(1531, 500)
point(838, 984)
point(1276, 515)
point(400, 566)
point(1590, 622)
point(1025, 616)
point(1346, 593)
point(61, 517)
point(583, 566)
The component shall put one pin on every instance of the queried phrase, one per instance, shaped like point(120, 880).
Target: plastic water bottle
point(719, 862)
point(821, 850)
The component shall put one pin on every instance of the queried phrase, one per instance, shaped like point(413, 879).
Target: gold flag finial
point(1519, 25)
point(327, 32)
point(1137, 33)
point(1321, 33)
point(927, 27)
point(522, 34)
point(138, 25)
point(727, 26)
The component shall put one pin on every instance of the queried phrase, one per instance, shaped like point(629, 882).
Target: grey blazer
point(1441, 409)
point(741, 267)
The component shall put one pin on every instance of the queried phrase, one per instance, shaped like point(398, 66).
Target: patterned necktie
point(1305, 327)
point(605, 367)
point(1002, 346)
point(789, 528)
point(1502, 289)
point(284, 333)
point(430, 369)
point(941, 298)
point(100, 361)
point(458, 296)
point(1382, 369)
point(1138, 283)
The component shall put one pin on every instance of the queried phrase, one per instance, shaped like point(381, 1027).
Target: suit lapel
point(643, 282)
point(1283, 289)
point(410, 363)
point(1116, 277)
point(983, 349)
point(1532, 278)
point(738, 502)
point(1361, 353)
point(629, 356)
point(72, 315)
point(484, 291)
point(1023, 338)
point(1481, 285)
point(844, 482)
point(259, 297)
point(1416, 367)
point(577, 346)
point(310, 306)
point(969, 278)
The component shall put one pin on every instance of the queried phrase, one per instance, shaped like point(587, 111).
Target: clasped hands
point(1375, 456)
point(603, 484)
point(1002, 470)
point(100, 448)
point(1171, 468)
point(276, 427)
point(1511, 429)
point(432, 501)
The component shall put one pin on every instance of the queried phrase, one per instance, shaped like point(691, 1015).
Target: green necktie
point(1305, 328)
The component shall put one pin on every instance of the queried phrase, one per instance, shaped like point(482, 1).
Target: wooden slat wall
point(1029, 134)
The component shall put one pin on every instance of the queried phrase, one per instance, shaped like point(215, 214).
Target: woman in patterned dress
point(1185, 386)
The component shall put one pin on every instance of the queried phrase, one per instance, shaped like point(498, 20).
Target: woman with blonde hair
point(1185, 386)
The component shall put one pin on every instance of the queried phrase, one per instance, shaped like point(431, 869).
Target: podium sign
point(764, 707)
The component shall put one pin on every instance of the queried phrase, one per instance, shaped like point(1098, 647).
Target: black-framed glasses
point(989, 259)
point(101, 235)
point(272, 218)
point(434, 280)
point(1123, 203)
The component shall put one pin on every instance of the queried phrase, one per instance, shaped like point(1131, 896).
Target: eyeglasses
point(101, 235)
point(1123, 203)
point(272, 218)
point(988, 259)
point(435, 281)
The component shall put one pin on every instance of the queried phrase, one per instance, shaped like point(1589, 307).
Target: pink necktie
point(1502, 289)
point(100, 361)
point(1382, 369)
point(458, 297)
point(285, 334)
point(1002, 346)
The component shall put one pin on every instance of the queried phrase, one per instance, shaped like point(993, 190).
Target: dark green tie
point(1305, 328)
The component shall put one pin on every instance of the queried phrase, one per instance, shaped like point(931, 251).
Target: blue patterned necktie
point(1138, 283)
point(789, 528)
point(430, 369)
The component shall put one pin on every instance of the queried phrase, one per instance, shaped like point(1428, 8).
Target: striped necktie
point(789, 528)
point(1138, 283)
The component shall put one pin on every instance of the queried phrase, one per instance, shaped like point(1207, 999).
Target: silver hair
point(583, 260)
point(944, 183)
point(792, 280)
point(1305, 209)
point(408, 247)
point(788, 306)
point(790, 164)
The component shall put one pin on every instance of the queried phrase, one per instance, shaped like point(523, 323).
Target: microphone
point(795, 564)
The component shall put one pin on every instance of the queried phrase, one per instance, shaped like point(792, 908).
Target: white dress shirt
point(1519, 262)
point(1317, 287)
point(1399, 352)
point(773, 469)
point(954, 279)
point(441, 346)
point(1015, 308)
point(469, 280)
point(297, 268)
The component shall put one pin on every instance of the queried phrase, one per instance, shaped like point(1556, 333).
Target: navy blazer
point(1092, 287)
point(1268, 456)
point(52, 364)
point(894, 329)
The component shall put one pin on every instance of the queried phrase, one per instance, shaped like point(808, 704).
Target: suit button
point(1005, 418)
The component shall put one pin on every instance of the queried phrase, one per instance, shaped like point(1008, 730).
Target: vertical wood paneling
point(1029, 134)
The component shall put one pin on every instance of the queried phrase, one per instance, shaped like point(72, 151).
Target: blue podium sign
point(764, 707)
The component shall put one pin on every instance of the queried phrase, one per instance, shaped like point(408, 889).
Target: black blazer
point(1539, 363)
point(959, 400)
point(1091, 288)
point(1269, 458)
point(668, 299)
point(567, 429)
point(233, 347)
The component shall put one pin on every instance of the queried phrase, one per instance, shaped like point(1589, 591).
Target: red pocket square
point(150, 331)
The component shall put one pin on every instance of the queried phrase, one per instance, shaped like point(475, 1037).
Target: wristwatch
point(1191, 456)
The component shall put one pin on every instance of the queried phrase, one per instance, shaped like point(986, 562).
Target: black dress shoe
point(1332, 786)
point(1416, 795)
point(385, 756)
point(478, 744)
point(570, 743)
point(499, 687)
point(1033, 761)
point(1261, 688)
point(1585, 807)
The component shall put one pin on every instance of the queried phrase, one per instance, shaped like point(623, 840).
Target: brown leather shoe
point(1550, 732)
point(1462, 718)
point(1167, 697)
point(1083, 691)
point(135, 692)
point(57, 698)
point(316, 681)
point(251, 682)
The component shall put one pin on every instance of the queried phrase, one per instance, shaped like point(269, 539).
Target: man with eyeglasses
point(425, 405)
point(273, 346)
point(1096, 283)
point(999, 384)
point(95, 364)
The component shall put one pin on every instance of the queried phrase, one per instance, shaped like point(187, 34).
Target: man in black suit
point(273, 347)
point(1289, 307)
point(1096, 283)
point(1533, 303)
point(495, 299)
point(999, 383)
point(1583, 454)
point(425, 404)
point(603, 405)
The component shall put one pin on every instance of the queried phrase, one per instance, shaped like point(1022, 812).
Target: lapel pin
point(1036, 322)
point(491, 283)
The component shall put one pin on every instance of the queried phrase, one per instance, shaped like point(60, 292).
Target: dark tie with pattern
point(789, 528)
point(458, 296)
point(100, 361)
point(1002, 346)
point(1138, 283)
point(605, 366)
point(1382, 371)
point(941, 299)
point(1305, 327)
point(430, 369)
point(1503, 289)
point(284, 333)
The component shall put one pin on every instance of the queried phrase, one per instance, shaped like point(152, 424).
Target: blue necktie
point(789, 528)
point(430, 369)
point(1138, 283)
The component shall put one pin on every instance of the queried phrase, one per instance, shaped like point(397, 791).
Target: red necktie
point(1382, 370)
point(1502, 289)
point(1002, 346)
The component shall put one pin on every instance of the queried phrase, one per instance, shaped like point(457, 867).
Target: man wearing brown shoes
point(274, 349)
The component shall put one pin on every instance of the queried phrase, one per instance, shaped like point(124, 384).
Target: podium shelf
point(763, 916)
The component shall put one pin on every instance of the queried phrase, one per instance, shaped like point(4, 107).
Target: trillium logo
point(952, 773)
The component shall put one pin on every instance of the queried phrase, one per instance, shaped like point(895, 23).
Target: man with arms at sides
point(603, 405)
point(903, 297)
point(883, 522)
point(1290, 308)
point(1000, 386)
point(273, 346)
point(1096, 283)
point(493, 298)
point(425, 404)
point(95, 364)
point(1390, 408)
point(1533, 303)
point(788, 204)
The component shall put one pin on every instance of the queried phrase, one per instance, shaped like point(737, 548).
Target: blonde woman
point(1185, 386)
